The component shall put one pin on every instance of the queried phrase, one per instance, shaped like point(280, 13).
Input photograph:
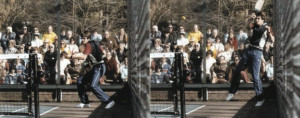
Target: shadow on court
point(267, 110)
point(121, 109)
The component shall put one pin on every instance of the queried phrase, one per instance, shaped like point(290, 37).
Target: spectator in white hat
point(182, 40)
point(36, 42)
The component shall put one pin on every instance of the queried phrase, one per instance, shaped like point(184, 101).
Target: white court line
point(20, 109)
point(48, 111)
point(16, 111)
point(166, 108)
point(158, 105)
point(195, 109)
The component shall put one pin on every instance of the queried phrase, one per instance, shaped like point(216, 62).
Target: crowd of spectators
point(13, 71)
point(222, 54)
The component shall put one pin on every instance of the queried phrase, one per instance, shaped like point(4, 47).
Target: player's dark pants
point(252, 56)
point(93, 78)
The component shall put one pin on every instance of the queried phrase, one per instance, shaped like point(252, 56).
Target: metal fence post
point(29, 86)
point(175, 85)
point(181, 84)
point(36, 79)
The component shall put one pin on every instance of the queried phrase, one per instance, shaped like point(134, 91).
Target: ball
point(183, 17)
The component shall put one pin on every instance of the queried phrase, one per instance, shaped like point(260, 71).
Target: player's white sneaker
point(260, 103)
point(110, 104)
point(81, 105)
point(229, 97)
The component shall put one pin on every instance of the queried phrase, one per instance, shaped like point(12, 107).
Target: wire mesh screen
point(15, 87)
point(162, 84)
point(164, 101)
point(165, 89)
point(14, 102)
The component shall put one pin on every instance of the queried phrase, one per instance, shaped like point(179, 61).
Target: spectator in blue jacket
point(7, 36)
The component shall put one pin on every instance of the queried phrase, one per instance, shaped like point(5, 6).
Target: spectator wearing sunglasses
point(196, 60)
point(27, 35)
point(209, 62)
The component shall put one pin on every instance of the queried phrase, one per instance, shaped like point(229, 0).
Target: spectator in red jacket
point(112, 70)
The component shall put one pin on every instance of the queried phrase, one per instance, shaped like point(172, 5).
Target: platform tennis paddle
point(258, 5)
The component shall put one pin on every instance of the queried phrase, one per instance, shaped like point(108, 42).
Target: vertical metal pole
point(29, 86)
point(58, 42)
point(203, 73)
point(219, 10)
point(73, 13)
point(58, 51)
point(175, 84)
point(181, 85)
point(36, 87)
point(204, 45)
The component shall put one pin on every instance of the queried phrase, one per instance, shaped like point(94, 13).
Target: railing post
point(59, 95)
point(205, 94)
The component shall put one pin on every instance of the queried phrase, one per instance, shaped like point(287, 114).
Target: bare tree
point(77, 15)
point(160, 9)
point(94, 14)
point(12, 11)
point(220, 14)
